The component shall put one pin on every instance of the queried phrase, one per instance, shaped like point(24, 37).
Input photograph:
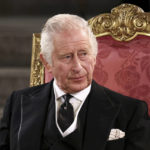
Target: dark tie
point(65, 113)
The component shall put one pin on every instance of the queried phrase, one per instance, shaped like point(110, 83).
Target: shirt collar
point(82, 95)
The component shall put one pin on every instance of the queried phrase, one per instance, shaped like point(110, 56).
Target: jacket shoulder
point(32, 90)
point(127, 103)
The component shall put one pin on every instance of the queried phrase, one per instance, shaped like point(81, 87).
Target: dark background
point(20, 18)
point(83, 8)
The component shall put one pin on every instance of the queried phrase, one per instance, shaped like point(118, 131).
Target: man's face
point(72, 61)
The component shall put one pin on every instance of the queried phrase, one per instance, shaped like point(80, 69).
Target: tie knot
point(67, 97)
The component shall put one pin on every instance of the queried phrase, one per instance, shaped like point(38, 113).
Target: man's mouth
point(80, 78)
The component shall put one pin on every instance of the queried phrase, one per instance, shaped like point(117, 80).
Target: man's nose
point(76, 64)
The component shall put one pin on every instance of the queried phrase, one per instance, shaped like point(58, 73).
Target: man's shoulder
point(33, 90)
point(128, 105)
point(119, 98)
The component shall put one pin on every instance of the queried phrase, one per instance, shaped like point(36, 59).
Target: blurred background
point(20, 18)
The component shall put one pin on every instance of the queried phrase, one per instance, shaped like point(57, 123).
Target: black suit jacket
point(23, 121)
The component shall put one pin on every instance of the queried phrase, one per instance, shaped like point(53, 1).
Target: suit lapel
point(33, 114)
point(100, 116)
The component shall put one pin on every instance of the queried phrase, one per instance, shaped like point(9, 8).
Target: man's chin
point(77, 88)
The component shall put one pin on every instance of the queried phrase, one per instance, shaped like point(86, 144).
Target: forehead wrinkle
point(71, 41)
point(81, 44)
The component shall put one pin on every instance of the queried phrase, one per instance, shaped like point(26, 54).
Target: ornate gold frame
point(124, 23)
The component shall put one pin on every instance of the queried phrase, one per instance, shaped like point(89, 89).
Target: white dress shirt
point(77, 101)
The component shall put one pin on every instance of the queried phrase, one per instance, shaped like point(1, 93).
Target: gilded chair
point(123, 61)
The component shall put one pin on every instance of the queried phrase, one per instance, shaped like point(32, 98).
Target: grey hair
point(59, 23)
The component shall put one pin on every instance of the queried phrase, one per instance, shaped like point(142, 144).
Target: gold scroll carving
point(123, 23)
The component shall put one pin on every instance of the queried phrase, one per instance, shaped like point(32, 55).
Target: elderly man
point(72, 112)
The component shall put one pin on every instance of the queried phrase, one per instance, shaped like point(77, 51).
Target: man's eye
point(67, 56)
point(83, 54)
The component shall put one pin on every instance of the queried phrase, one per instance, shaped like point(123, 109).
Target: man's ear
point(45, 63)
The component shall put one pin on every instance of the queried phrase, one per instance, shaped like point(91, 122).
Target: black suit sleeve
point(138, 133)
point(5, 126)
